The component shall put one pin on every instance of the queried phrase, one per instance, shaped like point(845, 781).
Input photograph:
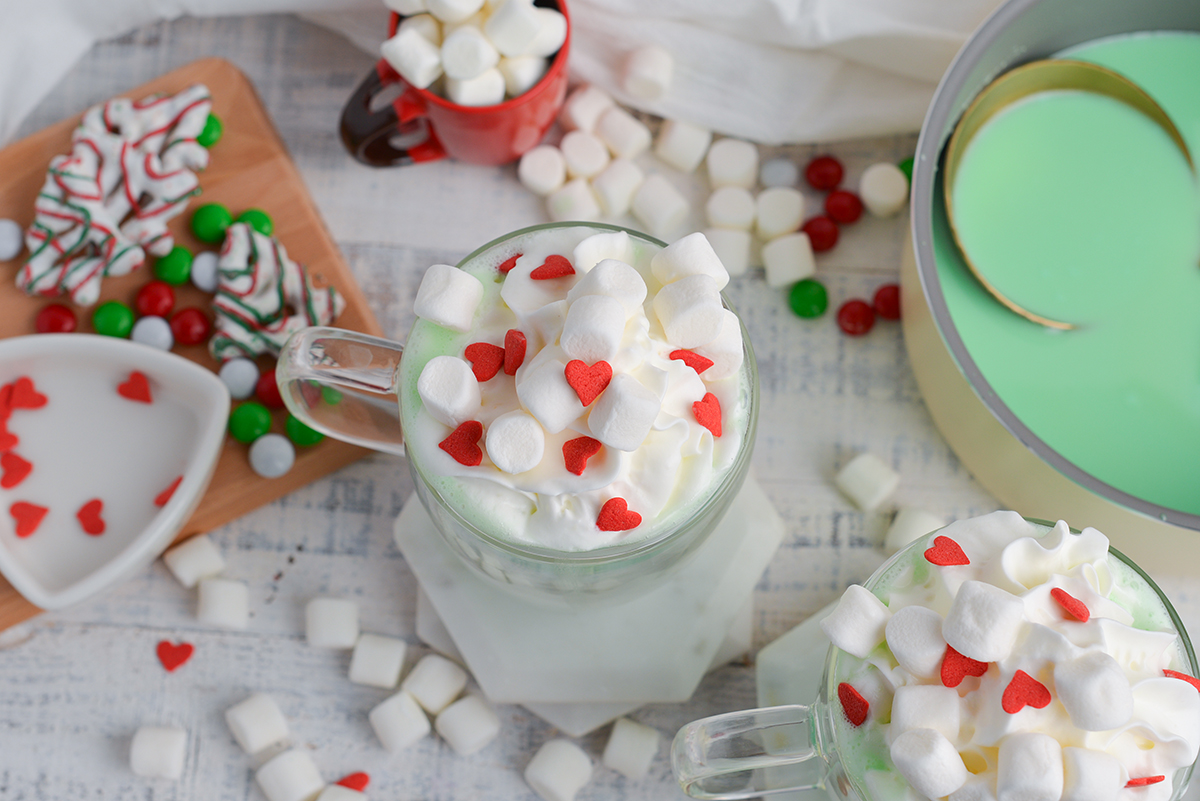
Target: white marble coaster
point(652, 649)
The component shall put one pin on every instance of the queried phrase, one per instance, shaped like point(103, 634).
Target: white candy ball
point(883, 189)
point(153, 331)
point(204, 271)
point(272, 455)
point(12, 239)
point(239, 375)
point(778, 172)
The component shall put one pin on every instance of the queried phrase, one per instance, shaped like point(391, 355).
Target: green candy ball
point(249, 421)
point(301, 434)
point(212, 131)
point(906, 167)
point(175, 268)
point(331, 396)
point(113, 319)
point(210, 221)
point(808, 298)
point(259, 220)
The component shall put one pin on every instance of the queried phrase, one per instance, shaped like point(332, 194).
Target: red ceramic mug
point(422, 126)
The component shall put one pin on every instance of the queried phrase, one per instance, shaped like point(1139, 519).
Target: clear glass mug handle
point(750, 753)
point(343, 384)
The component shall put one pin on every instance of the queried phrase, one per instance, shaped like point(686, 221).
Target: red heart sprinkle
point(692, 359)
point(137, 388)
point(514, 351)
point(552, 267)
point(577, 451)
point(8, 440)
point(90, 519)
point(1072, 605)
point(946, 552)
point(1175, 674)
point(25, 396)
point(486, 359)
point(161, 498)
point(1024, 690)
point(708, 413)
point(172, 655)
point(355, 781)
point(1142, 781)
point(853, 704)
point(5, 401)
point(956, 667)
point(615, 516)
point(506, 266)
point(15, 469)
point(588, 382)
point(27, 516)
point(461, 443)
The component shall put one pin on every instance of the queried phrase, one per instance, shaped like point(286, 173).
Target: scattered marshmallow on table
point(453, 10)
point(467, 725)
point(552, 32)
point(615, 279)
point(521, 73)
point(726, 351)
point(448, 297)
point(153, 331)
point(616, 185)
point(624, 413)
point(399, 722)
point(583, 107)
point(659, 206)
point(449, 390)
point(291, 776)
point(682, 145)
point(624, 134)
point(631, 748)
point(647, 72)
point(575, 200)
point(686, 256)
point(418, 60)
point(434, 682)
point(778, 211)
point(515, 442)
point(157, 752)
point(545, 393)
point(223, 603)
point(858, 623)
point(910, 523)
point(256, 723)
point(778, 172)
point(883, 189)
point(690, 311)
point(926, 706)
point(929, 762)
point(194, 559)
point(204, 271)
point(1095, 691)
point(866, 480)
point(732, 248)
point(12, 239)
point(558, 770)
point(377, 661)
point(788, 259)
point(239, 375)
point(542, 169)
point(485, 89)
point(594, 328)
point(584, 154)
point(732, 162)
point(1029, 768)
point(331, 623)
point(512, 26)
point(914, 636)
point(272, 455)
point(730, 207)
point(1090, 775)
point(983, 621)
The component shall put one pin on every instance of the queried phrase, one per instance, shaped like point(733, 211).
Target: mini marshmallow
point(614, 279)
point(730, 207)
point(857, 623)
point(542, 169)
point(598, 247)
point(914, 636)
point(426, 25)
point(449, 390)
point(866, 480)
point(552, 33)
point(778, 211)
point(223, 603)
point(593, 329)
point(434, 682)
point(583, 108)
point(515, 442)
point(778, 172)
point(1030, 768)
point(929, 762)
point(257, 723)
point(545, 394)
point(194, 559)
point(788, 259)
point(624, 413)
point(625, 135)
point(682, 145)
point(732, 162)
point(574, 201)
point(512, 27)
point(291, 776)
point(377, 660)
point(331, 623)
point(647, 72)
point(485, 89)
point(631, 748)
point(468, 724)
point(336, 792)
point(399, 722)
point(983, 621)
point(690, 310)
point(616, 185)
point(558, 770)
point(910, 524)
point(732, 248)
point(467, 53)
point(453, 10)
point(157, 752)
point(448, 297)
point(405, 7)
point(1090, 775)
point(521, 73)
point(585, 155)
point(418, 60)
point(883, 189)
point(1095, 691)
point(926, 706)
point(659, 206)
point(725, 350)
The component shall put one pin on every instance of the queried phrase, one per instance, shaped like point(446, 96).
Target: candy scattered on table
point(824, 173)
point(155, 298)
point(204, 271)
point(11, 239)
point(808, 298)
point(210, 222)
point(558, 770)
point(212, 131)
point(354, 781)
point(331, 623)
point(173, 655)
point(843, 207)
point(240, 376)
point(55, 318)
point(267, 391)
point(822, 233)
point(259, 220)
point(883, 188)
point(153, 331)
point(886, 302)
point(113, 319)
point(300, 434)
point(272, 456)
point(158, 752)
point(290, 776)
point(190, 326)
point(855, 317)
point(249, 421)
point(257, 723)
point(174, 268)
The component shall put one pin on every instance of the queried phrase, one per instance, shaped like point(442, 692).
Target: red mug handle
point(370, 135)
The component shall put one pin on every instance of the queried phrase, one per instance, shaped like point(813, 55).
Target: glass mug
point(364, 373)
point(798, 747)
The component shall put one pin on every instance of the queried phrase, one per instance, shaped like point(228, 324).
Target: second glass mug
point(363, 371)
point(799, 747)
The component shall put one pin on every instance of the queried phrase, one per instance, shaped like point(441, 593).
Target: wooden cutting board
point(249, 168)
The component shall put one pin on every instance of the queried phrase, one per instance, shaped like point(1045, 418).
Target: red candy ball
point(822, 233)
point(55, 319)
point(824, 173)
point(887, 301)
point(190, 326)
point(843, 207)
point(155, 299)
point(268, 391)
point(855, 317)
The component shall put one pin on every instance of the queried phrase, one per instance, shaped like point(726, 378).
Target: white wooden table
point(75, 685)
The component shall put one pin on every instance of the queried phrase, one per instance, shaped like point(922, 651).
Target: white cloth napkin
point(772, 71)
